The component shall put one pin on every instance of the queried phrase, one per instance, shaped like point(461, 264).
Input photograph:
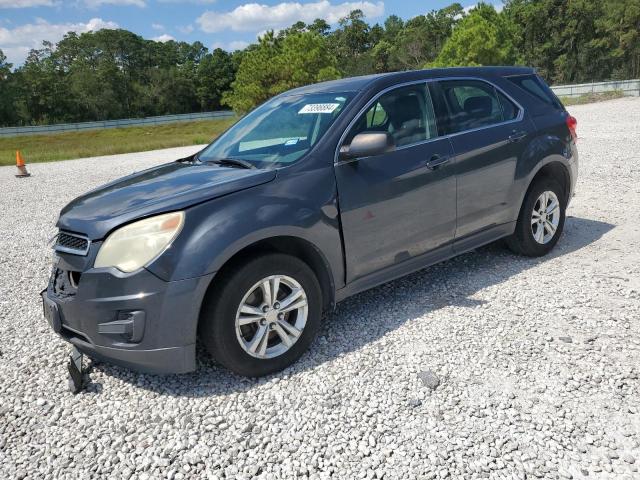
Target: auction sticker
point(319, 108)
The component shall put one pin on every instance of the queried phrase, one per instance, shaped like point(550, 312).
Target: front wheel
point(541, 219)
point(263, 315)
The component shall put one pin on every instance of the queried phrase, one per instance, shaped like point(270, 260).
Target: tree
point(393, 25)
point(7, 92)
point(42, 90)
point(298, 27)
point(619, 30)
point(351, 43)
point(215, 74)
point(481, 38)
point(5, 67)
point(381, 56)
point(578, 41)
point(304, 59)
point(115, 73)
point(278, 64)
point(421, 38)
point(320, 26)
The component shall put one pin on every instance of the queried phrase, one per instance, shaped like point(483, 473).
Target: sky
point(228, 24)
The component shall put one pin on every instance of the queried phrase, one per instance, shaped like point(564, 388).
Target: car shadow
point(451, 283)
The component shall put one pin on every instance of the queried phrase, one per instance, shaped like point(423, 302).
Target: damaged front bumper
point(135, 320)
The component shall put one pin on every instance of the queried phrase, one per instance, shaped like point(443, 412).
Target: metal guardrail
point(127, 122)
point(628, 87)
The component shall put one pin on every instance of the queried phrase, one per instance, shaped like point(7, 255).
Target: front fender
point(301, 205)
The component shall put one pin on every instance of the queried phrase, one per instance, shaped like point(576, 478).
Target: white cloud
point(195, 2)
point(16, 42)
point(157, 26)
point(231, 46)
point(254, 16)
point(498, 7)
point(262, 33)
point(163, 38)
point(99, 3)
point(26, 3)
point(187, 29)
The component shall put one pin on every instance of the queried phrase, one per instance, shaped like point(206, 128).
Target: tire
point(222, 328)
point(523, 241)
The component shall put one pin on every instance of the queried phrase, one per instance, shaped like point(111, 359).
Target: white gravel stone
point(515, 403)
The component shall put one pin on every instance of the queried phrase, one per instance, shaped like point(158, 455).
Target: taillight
point(572, 123)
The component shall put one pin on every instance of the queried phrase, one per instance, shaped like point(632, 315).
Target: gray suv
point(318, 194)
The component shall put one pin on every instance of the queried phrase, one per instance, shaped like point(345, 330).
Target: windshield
point(280, 131)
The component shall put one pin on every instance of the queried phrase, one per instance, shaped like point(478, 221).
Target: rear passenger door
point(489, 132)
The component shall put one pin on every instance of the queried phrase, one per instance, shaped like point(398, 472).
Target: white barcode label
point(319, 108)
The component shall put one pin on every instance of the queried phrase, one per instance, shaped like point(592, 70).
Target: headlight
point(137, 244)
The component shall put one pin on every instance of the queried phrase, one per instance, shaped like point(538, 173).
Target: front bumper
point(134, 320)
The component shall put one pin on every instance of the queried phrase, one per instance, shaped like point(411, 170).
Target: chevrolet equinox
point(318, 194)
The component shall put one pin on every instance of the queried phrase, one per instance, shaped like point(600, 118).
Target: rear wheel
point(541, 219)
point(263, 315)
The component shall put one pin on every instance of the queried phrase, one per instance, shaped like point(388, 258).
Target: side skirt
point(425, 260)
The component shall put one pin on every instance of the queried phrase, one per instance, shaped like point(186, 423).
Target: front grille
point(72, 243)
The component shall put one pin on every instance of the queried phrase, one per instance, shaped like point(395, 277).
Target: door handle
point(517, 136)
point(437, 160)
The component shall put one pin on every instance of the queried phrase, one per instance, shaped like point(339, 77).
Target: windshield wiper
point(232, 162)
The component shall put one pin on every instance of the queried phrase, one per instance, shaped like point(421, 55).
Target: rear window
point(534, 85)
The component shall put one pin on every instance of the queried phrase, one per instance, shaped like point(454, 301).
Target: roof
point(353, 84)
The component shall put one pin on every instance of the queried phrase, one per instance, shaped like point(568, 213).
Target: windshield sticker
point(319, 108)
point(293, 141)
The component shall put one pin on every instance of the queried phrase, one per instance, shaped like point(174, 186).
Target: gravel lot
point(536, 361)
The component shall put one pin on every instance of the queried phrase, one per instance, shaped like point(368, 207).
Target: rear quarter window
point(535, 86)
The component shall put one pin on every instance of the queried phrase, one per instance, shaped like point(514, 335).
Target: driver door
point(395, 207)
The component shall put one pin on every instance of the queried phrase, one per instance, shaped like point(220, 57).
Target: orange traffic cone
point(22, 169)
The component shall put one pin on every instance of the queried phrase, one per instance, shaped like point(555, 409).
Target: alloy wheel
point(545, 217)
point(271, 316)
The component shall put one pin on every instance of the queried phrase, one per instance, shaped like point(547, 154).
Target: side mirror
point(368, 144)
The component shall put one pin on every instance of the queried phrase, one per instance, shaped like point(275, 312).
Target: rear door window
point(471, 104)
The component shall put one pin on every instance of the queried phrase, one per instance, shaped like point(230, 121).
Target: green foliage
point(7, 90)
point(5, 67)
point(214, 76)
point(422, 37)
point(351, 42)
point(115, 73)
point(580, 40)
point(483, 37)
point(278, 64)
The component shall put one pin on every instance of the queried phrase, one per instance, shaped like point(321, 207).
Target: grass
point(92, 143)
point(591, 98)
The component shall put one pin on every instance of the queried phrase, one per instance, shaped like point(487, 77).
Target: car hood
point(160, 189)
